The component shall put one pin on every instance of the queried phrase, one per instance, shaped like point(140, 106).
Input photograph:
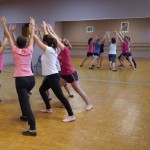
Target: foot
point(46, 110)
point(91, 68)
point(23, 118)
point(69, 119)
point(89, 107)
point(114, 70)
point(71, 96)
point(29, 133)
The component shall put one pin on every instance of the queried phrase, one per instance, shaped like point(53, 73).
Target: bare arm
point(54, 35)
point(4, 42)
point(13, 28)
point(6, 32)
point(120, 38)
point(40, 43)
point(32, 30)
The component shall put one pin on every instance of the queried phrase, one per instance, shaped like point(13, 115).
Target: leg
point(43, 88)
point(77, 88)
point(93, 60)
point(66, 86)
point(22, 86)
point(84, 60)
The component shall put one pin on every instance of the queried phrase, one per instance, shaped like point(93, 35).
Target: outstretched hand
point(3, 20)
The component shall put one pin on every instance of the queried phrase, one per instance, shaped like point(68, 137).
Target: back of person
point(65, 62)
point(125, 47)
point(22, 61)
point(49, 61)
point(112, 49)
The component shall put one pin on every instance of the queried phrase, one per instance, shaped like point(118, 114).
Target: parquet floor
point(120, 119)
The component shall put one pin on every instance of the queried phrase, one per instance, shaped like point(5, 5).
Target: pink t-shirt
point(91, 48)
point(65, 62)
point(125, 47)
point(1, 61)
point(22, 61)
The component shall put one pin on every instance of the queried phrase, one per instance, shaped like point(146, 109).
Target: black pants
point(53, 82)
point(23, 86)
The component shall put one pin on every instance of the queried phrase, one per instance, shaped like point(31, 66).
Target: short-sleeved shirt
point(65, 62)
point(22, 61)
point(49, 61)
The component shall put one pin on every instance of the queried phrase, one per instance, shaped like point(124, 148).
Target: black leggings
point(53, 82)
point(23, 86)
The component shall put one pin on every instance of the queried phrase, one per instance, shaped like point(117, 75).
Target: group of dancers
point(56, 69)
point(96, 50)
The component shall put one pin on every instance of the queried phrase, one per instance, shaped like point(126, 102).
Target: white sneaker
point(46, 110)
point(89, 107)
point(69, 119)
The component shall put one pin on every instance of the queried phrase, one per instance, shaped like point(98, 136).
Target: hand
point(3, 21)
point(12, 27)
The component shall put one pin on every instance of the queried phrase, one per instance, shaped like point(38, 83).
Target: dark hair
point(89, 40)
point(21, 42)
point(113, 40)
point(52, 42)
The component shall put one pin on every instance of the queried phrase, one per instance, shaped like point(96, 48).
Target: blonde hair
point(67, 43)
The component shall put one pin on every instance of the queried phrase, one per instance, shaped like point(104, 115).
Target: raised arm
point(32, 30)
point(6, 32)
point(108, 36)
point(104, 37)
point(54, 35)
point(4, 42)
point(118, 35)
point(13, 28)
point(40, 43)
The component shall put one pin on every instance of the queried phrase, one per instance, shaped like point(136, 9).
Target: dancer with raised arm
point(24, 78)
point(68, 73)
point(51, 74)
point(2, 47)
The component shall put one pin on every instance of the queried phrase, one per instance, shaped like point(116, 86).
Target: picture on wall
point(89, 29)
point(124, 26)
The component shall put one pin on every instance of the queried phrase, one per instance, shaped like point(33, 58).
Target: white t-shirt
point(112, 49)
point(49, 61)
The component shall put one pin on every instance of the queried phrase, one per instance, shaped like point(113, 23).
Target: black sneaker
point(29, 133)
point(71, 96)
point(30, 93)
point(23, 118)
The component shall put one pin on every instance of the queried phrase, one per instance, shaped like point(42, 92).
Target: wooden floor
point(119, 120)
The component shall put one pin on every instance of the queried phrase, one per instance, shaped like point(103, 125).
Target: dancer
point(112, 52)
point(2, 47)
point(24, 78)
point(125, 50)
point(52, 77)
point(89, 52)
point(69, 74)
point(121, 55)
point(66, 86)
point(97, 46)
